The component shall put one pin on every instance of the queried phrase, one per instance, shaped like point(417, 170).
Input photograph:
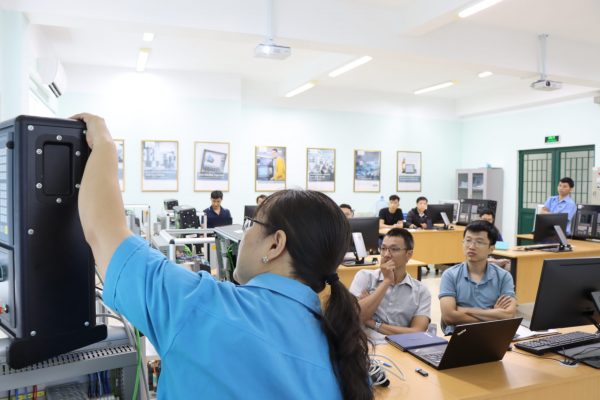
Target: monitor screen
point(434, 212)
point(215, 222)
point(250, 211)
point(544, 227)
point(369, 228)
point(564, 293)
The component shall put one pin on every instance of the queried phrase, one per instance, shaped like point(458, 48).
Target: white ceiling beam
point(425, 16)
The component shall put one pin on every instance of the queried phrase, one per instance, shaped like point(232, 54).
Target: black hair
point(483, 226)
point(421, 198)
point(487, 211)
point(317, 236)
point(568, 181)
point(260, 196)
point(409, 241)
point(347, 206)
point(394, 197)
point(216, 194)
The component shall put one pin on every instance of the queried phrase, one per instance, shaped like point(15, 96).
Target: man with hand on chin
point(476, 290)
point(391, 301)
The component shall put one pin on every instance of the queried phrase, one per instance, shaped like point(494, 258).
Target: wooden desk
point(526, 266)
point(439, 247)
point(516, 377)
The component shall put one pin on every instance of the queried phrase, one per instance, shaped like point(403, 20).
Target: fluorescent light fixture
point(142, 59)
point(300, 89)
point(485, 74)
point(148, 37)
point(475, 8)
point(351, 65)
point(434, 87)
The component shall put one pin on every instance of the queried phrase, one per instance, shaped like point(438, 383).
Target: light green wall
point(13, 68)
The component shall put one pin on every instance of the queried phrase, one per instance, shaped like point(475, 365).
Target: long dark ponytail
point(318, 235)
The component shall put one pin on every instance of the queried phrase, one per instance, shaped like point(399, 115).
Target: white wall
point(497, 140)
point(146, 106)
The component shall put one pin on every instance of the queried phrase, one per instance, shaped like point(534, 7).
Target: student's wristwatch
point(377, 325)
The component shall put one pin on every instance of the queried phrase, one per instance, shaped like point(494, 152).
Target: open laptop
point(471, 344)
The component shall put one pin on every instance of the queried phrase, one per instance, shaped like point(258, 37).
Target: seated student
point(489, 216)
point(562, 202)
point(260, 198)
point(476, 290)
point(347, 210)
point(215, 214)
point(417, 217)
point(391, 216)
point(391, 301)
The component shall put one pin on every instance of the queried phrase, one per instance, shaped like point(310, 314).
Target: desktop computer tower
point(47, 280)
point(468, 210)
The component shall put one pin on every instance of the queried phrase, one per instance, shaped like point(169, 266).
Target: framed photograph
point(320, 169)
point(408, 171)
point(211, 166)
point(269, 168)
point(120, 143)
point(160, 165)
point(367, 171)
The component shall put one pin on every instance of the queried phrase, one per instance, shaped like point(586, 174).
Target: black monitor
point(434, 212)
point(214, 222)
point(250, 211)
point(369, 228)
point(544, 231)
point(564, 296)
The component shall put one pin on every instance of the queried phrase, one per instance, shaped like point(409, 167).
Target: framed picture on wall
point(160, 166)
point(408, 171)
point(320, 169)
point(269, 168)
point(367, 171)
point(120, 143)
point(211, 166)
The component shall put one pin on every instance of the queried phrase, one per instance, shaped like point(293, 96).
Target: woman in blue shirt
point(266, 338)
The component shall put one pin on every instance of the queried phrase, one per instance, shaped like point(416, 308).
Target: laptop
point(471, 344)
point(409, 341)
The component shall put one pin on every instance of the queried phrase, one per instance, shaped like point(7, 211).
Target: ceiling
point(414, 44)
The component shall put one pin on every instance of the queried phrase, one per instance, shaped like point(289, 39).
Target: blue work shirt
point(457, 283)
point(566, 205)
point(216, 340)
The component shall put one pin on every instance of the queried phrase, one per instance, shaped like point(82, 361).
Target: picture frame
point(211, 166)
point(270, 168)
point(320, 169)
point(367, 171)
point(160, 166)
point(408, 171)
point(120, 144)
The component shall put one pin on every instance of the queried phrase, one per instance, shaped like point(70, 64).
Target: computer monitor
point(250, 211)
point(214, 222)
point(544, 231)
point(369, 228)
point(586, 224)
point(434, 212)
point(564, 296)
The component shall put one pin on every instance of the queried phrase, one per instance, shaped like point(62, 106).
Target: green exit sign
point(552, 139)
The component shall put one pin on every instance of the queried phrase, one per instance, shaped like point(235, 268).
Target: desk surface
point(516, 377)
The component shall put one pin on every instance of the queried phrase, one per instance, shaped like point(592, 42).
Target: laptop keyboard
point(434, 358)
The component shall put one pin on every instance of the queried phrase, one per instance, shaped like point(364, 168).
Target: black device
point(544, 231)
point(170, 203)
point(586, 223)
point(434, 212)
point(215, 222)
point(421, 372)
point(186, 217)
point(369, 228)
point(468, 210)
point(250, 211)
point(47, 278)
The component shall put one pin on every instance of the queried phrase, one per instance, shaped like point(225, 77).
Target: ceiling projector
point(546, 84)
point(272, 50)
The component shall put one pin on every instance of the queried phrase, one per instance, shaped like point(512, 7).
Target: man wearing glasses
point(391, 301)
point(476, 290)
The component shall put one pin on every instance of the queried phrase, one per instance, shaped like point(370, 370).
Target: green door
point(539, 173)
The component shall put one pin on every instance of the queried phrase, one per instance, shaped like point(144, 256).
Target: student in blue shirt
point(267, 338)
point(476, 290)
point(562, 202)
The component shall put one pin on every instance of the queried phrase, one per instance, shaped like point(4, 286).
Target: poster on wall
point(211, 166)
point(269, 168)
point(320, 169)
point(120, 143)
point(408, 171)
point(160, 165)
point(367, 171)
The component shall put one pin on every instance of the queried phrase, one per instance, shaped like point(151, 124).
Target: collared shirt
point(400, 304)
point(220, 341)
point(414, 218)
point(457, 283)
point(566, 205)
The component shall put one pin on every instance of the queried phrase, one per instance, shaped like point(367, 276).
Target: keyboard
point(558, 342)
point(434, 358)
